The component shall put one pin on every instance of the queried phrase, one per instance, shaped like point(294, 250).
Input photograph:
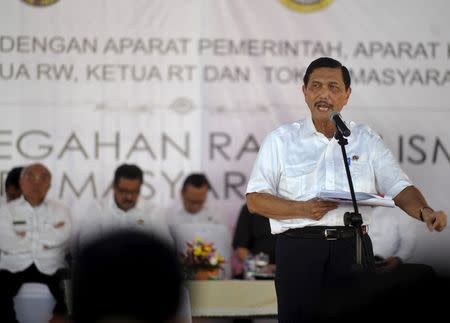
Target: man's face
point(12, 192)
point(325, 92)
point(35, 183)
point(194, 198)
point(126, 193)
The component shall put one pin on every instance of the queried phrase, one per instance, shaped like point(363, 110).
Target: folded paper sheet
point(361, 198)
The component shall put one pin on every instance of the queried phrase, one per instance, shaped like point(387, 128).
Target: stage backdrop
point(182, 86)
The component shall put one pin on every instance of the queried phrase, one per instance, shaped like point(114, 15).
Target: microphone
point(336, 118)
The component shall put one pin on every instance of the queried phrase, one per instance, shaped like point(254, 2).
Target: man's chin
point(322, 116)
point(126, 207)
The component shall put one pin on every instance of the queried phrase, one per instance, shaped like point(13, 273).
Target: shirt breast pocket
point(20, 225)
point(362, 176)
point(299, 180)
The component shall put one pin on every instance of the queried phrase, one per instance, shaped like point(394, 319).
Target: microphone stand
point(353, 219)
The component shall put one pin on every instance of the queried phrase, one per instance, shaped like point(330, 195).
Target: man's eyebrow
point(335, 83)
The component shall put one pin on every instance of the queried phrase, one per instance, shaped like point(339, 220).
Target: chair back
point(208, 232)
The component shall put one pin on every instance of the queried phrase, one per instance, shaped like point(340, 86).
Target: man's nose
point(324, 92)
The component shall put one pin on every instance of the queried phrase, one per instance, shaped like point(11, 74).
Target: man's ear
point(349, 91)
point(347, 95)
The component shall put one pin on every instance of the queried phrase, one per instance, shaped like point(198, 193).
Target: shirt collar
point(310, 128)
point(181, 210)
point(113, 205)
point(21, 201)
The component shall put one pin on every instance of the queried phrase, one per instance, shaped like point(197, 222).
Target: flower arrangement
point(201, 255)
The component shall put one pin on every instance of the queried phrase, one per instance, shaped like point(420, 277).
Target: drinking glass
point(261, 262)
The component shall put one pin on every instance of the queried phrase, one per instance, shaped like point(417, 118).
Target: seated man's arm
point(243, 234)
point(159, 223)
point(57, 229)
point(14, 237)
point(242, 253)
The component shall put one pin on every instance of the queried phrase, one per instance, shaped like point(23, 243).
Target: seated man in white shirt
point(34, 231)
point(124, 209)
point(393, 238)
point(193, 218)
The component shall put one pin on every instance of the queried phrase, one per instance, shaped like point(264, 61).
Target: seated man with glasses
point(125, 209)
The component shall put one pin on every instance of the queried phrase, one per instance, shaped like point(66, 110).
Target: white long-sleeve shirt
point(47, 229)
point(176, 214)
point(103, 216)
point(208, 224)
point(296, 161)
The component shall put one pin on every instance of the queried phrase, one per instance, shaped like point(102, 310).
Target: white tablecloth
point(232, 298)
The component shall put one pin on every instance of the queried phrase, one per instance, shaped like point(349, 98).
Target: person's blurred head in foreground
point(126, 276)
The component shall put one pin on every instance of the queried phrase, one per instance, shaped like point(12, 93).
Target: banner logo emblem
point(306, 5)
point(182, 106)
point(40, 3)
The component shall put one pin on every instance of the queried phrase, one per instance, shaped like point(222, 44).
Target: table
point(232, 298)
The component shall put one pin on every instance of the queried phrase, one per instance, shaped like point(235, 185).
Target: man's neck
point(326, 127)
point(34, 203)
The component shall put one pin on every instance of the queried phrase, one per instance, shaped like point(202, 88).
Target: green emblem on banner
point(306, 5)
point(40, 3)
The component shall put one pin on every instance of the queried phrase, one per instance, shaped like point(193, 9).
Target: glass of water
point(261, 262)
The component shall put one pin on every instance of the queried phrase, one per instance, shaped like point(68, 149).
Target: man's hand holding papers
point(361, 198)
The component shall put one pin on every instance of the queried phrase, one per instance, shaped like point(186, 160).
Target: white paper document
point(361, 198)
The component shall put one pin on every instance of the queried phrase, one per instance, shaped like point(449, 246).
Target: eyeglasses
point(36, 177)
point(125, 191)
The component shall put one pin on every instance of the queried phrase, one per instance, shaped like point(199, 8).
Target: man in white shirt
point(314, 249)
point(393, 238)
point(193, 218)
point(34, 232)
point(124, 209)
